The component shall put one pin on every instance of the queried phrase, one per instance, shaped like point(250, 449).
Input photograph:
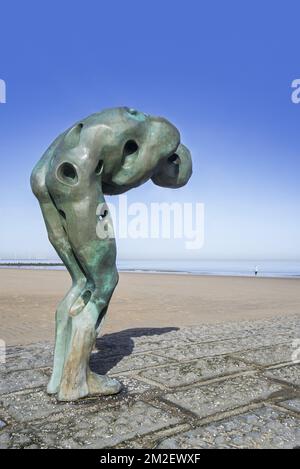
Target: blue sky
point(220, 71)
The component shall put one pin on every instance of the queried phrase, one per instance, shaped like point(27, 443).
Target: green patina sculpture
point(106, 153)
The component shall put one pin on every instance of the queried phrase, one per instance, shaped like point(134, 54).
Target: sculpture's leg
point(96, 258)
point(100, 383)
point(59, 240)
point(74, 380)
point(62, 336)
point(78, 381)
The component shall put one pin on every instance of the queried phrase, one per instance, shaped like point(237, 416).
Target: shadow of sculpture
point(110, 349)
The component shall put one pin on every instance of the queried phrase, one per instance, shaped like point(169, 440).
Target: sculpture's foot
point(72, 394)
point(101, 384)
point(96, 385)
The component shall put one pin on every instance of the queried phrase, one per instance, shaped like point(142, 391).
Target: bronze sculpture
point(106, 153)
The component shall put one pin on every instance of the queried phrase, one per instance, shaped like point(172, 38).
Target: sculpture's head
point(129, 147)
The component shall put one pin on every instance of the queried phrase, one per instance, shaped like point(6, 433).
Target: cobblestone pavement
point(232, 385)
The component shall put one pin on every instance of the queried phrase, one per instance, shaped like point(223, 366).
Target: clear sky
point(220, 71)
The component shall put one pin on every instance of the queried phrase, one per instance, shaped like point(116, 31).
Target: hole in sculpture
point(132, 111)
point(67, 172)
point(130, 147)
point(174, 159)
point(62, 214)
point(86, 296)
point(103, 215)
point(99, 167)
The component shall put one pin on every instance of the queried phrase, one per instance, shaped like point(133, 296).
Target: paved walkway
point(231, 385)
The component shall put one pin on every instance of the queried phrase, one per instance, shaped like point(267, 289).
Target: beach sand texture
point(28, 299)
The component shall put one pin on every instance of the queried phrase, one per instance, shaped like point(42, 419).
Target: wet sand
point(28, 299)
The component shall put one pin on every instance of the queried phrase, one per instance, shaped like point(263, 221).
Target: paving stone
point(290, 374)
point(16, 438)
point(28, 406)
point(29, 357)
point(188, 373)
point(4, 440)
point(156, 343)
point(262, 428)
point(190, 351)
point(119, 364)
point(260, 337)
point(103, 428)
point(224, 395)
point(288, 326)
point(293, 404)
point(132, 386)
point(268, 355)
point(17, 380)
point(186, 335)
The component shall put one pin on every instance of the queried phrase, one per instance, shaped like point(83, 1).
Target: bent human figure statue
point(106, 153)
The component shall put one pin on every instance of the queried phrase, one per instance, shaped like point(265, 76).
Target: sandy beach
point(28, 299)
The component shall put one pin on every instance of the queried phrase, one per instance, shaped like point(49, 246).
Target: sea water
point(264, 268)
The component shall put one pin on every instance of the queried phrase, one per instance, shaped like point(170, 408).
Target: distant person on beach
point(256, 271)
